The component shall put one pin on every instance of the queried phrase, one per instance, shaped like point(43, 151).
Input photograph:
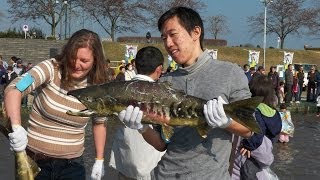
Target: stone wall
point(29, 50)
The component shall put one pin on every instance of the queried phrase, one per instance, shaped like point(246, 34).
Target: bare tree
point(218, 25)
point(284, 17)
point(51, 11)
point(116, 16)
point(314, 26)
point(158, 7)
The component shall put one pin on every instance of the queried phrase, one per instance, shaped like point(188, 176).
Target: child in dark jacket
point(256, 151)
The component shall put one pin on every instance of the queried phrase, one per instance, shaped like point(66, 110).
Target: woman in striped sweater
point(54, 139)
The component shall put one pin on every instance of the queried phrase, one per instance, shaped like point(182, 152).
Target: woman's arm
point(99, 135)
point(12, 103)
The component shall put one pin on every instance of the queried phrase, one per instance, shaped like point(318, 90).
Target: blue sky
point(236, 11)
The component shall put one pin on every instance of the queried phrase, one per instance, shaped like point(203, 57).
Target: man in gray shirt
point(189, 156)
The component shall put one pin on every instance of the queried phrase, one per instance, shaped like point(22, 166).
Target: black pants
point(7, 159)
point(288, 91)
point(249, 169)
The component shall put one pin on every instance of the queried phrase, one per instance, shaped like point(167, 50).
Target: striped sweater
point(50, 130)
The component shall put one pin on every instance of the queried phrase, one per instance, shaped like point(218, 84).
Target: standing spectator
point(129, 73)
point(250, 73)
point(274, 76)
point(318, 105)
point(295, 89)
point(19, 68)
point(288, 84)
point(246, 68)
point(54, 139)
point(188, 155)
point(281, 92)
point(300, 76)
point(110, 71)
point(117, 70)
point(4, 63)
point(121, 76)
point(311, 90)
point(317, 79)
point(131, 155)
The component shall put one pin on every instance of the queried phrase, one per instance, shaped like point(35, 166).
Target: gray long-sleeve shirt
point(188, 155)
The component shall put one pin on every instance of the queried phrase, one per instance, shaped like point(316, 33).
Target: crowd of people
point(55, 140)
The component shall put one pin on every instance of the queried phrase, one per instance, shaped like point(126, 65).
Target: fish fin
point(203, 130)
point(83, 113)
point(166, 133)
point(243, 112)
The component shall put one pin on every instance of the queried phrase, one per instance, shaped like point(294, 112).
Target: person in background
point(287, 124)
point(311, 90)
point(246, 68)
point(318, 105)
point(110, 71)
point(121, 76)
point(295, 89)
point(129, 73)
point(300, 75)
point(281, 92)
point(250, 73)
point(188, 155)
point(131, 155)
point(274, 76)
point(254, 154)
point(288, 85)
point(19, 68)
point(54, 139)
point(317, 79)
point(117, 70)
point(260, 71)
point(133, 62)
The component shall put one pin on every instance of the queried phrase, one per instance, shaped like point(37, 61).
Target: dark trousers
point(288, 91)
point(249, 169)
point(311, 92)
point(58, 169)
point(300, 91)
point(7, 159)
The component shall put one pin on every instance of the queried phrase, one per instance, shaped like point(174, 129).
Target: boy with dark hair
point(129, 150)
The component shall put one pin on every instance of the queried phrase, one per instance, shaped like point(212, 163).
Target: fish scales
point(160, 103)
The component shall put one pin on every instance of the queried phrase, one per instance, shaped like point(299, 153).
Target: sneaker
point(297, 102)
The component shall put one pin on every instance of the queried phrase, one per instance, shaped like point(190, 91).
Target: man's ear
point(196, 33)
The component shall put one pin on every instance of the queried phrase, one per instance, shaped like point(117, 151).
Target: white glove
point(18, 138)
point(97, 169)
point(214, 113)
point(132, 117)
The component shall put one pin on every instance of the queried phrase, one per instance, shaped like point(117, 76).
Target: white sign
point(25, 28)
point(253, 58)
point(213, 53)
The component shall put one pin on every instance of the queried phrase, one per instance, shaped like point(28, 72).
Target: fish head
point(95, 99)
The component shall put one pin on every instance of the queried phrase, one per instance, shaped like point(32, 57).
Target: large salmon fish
point(161, 105)
point(26, 168)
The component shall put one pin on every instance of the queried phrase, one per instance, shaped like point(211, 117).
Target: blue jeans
point(54, 169)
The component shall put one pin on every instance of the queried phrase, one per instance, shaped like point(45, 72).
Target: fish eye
point(89, 99)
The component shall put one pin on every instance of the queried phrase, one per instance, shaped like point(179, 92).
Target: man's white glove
point(132, 117)
point(97, 169)
point(18, 138)
point(214, 113)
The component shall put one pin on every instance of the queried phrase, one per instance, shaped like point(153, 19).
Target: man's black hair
point(188, 18)
point(148, 59)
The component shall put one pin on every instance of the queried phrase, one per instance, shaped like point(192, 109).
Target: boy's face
point(180, 45)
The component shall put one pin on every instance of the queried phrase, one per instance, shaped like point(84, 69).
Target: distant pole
point(66, 19)
point(266, 2)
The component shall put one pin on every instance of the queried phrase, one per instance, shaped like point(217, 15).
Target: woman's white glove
point(132, 117)
point(97, 169)
point(214, 113)
point(18, 138)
